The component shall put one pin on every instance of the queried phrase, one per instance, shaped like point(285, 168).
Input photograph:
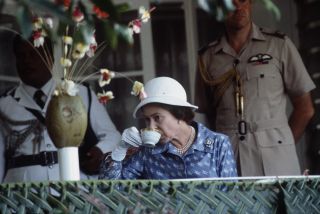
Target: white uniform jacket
point(13, 106)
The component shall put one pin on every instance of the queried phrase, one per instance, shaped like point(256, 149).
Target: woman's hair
point(180, 112)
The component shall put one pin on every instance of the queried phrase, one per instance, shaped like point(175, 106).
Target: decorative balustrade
point(239, 195)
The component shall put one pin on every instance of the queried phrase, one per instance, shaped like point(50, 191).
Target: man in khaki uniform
point(242, 85)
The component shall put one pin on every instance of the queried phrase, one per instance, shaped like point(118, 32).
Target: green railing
point(263, 195)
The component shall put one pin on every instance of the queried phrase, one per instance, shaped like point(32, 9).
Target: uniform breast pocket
point(264, 81)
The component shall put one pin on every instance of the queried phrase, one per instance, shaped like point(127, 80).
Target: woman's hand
point(130, 138)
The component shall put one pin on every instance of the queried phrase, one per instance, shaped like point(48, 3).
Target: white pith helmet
point(163, 90)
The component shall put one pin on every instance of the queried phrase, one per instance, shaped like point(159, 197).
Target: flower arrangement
point(75, 50)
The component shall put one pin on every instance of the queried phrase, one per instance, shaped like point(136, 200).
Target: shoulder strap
point(9, 92)
point(37, 114)
point(276, 33)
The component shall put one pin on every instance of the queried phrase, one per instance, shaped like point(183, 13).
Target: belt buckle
point(48, 158)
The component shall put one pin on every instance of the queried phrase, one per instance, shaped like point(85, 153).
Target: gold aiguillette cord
point(239, 98)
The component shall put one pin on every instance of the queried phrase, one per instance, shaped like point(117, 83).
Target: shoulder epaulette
point(9, 91)
point(206, 47)
point(276, 33)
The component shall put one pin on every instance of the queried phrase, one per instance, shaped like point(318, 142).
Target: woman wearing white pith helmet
point(186, 149)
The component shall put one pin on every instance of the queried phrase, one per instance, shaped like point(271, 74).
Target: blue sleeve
point(130, 168)
point(226, 163)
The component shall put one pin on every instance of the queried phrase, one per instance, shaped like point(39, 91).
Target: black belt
point(43, 159)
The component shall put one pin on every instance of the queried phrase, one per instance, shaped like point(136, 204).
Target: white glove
point(130, 137)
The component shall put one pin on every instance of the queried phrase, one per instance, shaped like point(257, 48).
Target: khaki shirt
point(270, 69)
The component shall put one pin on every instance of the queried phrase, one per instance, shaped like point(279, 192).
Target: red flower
point(77, 15)
point(65, 3)
point(105, 77)
point(105, 97)
point(100, 14)
point(36, 34)
point(136, 25)
point(93, 47)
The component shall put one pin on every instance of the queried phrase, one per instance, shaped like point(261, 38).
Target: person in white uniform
point(25, 146)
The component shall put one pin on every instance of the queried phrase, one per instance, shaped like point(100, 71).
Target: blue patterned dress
point(209, 156)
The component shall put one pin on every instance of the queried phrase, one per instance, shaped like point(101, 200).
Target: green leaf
point(50, 7)
point(219, 8)
point(62, 28)
point(83, 33)
point(24, 20)
point(121, 8)
point(124, 32)
point(228, 5)
point(110, 34)
point(51, 34)
point(273, 8)
point(87, 15)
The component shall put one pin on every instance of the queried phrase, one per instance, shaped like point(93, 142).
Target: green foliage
point(111, 25)
point(24, 19)
point(110, 34)
point(219, 8)
point(123, 33)
point(272, 7)
point(84, 33)
point(47, 6)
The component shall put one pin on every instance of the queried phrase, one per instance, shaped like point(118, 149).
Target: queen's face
point(160, 118)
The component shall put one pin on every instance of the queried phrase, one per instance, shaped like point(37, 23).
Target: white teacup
point(150, 137)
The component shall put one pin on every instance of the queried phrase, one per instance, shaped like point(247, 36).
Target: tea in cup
point(150, 137)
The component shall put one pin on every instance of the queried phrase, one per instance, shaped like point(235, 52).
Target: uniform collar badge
point(260, 59)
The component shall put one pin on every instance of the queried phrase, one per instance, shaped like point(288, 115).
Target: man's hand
point(90, 164)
